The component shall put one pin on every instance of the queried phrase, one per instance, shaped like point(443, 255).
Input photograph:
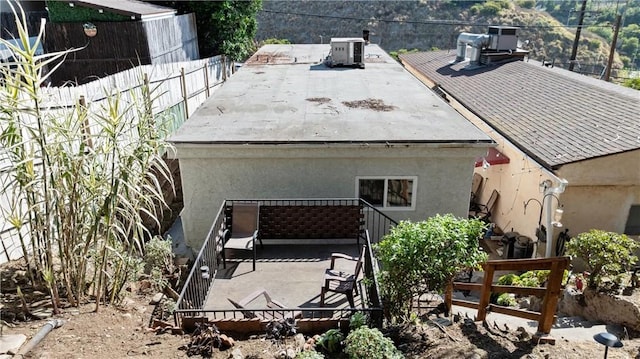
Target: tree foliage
point(418, 257)
point(605, 253)
point(224, 27)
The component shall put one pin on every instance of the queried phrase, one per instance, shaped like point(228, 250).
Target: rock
point(291, 353)
point(127, 315)
point(299, 340)
point(42, 313)
point(11, 342)
point(157, 298)
point(478, 354)
point(226, 341)
point(611, 309)
point(236, 354)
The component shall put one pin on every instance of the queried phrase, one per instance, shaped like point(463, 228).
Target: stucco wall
point(211, 174)
point(601, 191)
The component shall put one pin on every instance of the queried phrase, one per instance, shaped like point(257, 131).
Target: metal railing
point(202, 275)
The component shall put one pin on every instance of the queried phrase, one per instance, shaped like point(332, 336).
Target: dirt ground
point(123, 332)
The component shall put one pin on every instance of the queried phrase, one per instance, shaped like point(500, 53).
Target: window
point(633, 221)
point(388, 192)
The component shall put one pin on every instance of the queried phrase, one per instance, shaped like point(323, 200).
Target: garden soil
point(123, 332)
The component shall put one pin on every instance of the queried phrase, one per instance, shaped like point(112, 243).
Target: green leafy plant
point(369, 343)
point(357, 320)
point(331, 341)
point(509, 279)
point(606, 254)
point(507, 299)
point(309, 354)
point(418, 257)
point(158, 254)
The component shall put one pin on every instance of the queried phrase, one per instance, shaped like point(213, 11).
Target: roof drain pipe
point(48, 327)
point(476, 41)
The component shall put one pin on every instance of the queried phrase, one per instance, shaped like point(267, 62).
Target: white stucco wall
point(601, 191)
point(213, 173)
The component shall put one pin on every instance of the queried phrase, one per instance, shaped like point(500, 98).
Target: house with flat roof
point(550, 125)
point(286, 125)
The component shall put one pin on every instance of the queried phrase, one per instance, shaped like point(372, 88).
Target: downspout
point(549, 193)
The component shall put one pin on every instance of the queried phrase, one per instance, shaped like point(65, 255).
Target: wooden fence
point(177, 88)
point(550, 293)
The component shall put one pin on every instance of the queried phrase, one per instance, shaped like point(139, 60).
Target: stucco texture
point(211, 174)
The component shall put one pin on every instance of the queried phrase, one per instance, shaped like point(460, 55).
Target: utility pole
point(576, 41)
point(612, 52)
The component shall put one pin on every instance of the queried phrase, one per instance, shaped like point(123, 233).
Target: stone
point(157, 298)
point(11, 342)
point(226, 341)
point(299, 340)
point(237, 354)
point(291, 353)
point(127, 315)
point(608, 308)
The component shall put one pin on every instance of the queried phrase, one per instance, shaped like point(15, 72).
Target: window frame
point(414, 191)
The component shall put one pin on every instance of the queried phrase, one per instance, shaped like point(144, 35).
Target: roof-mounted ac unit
point(346, 51)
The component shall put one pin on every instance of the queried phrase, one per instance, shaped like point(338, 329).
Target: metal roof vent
point(346, 51)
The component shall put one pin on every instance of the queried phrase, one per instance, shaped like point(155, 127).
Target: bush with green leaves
point(419, 257)
point(331, 341)
point(507, 300)
point(158, 254)
point(357, 320)
point(370, 343)
point(309, 354)
point(606, 254)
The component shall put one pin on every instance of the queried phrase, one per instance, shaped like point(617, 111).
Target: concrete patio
point(292, 274)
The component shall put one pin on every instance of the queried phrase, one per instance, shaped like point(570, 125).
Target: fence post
point(485, 293)
point(224, 68)
point(448, 297)
point(205, 68)
point(86, 132)
point(550, 300)
point(183, 82)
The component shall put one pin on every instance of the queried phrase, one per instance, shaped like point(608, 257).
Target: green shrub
point(357, 320)
point(507, 299)
point(418, 257)
point(527, 4)
point(509, 279)
point(606, 254)
point(368, 343)
point(158, 254)
point(632, 83)
point(311, 354)
point(331, 341)
point(274, 41)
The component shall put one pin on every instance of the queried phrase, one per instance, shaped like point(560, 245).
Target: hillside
point(426, 25)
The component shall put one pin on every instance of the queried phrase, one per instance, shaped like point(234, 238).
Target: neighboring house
point(550, 124)
point(116, 35)
point(288, 126)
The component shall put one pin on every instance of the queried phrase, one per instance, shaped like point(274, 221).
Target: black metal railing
point(202, 274)
point(371, 224)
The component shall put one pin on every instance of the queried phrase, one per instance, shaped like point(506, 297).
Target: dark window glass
point(633, 221)
point(372, 191)
point(399, 193)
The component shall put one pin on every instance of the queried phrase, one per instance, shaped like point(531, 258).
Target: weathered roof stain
point(303, 101)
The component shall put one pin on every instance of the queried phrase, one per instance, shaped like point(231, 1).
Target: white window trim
point(414, 191)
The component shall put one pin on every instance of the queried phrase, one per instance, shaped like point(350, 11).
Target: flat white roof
point(285, 94)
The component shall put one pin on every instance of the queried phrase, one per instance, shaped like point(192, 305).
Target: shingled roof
point(553, 115)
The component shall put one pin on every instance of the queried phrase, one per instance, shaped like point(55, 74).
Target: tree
point(224, 27)
point(418, 257)
point(606, 254)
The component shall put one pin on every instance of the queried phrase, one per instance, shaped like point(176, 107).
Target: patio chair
point(483, 211)
point(475, 187)
point(244, 230)
point(264, 315)
point(342, 282)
